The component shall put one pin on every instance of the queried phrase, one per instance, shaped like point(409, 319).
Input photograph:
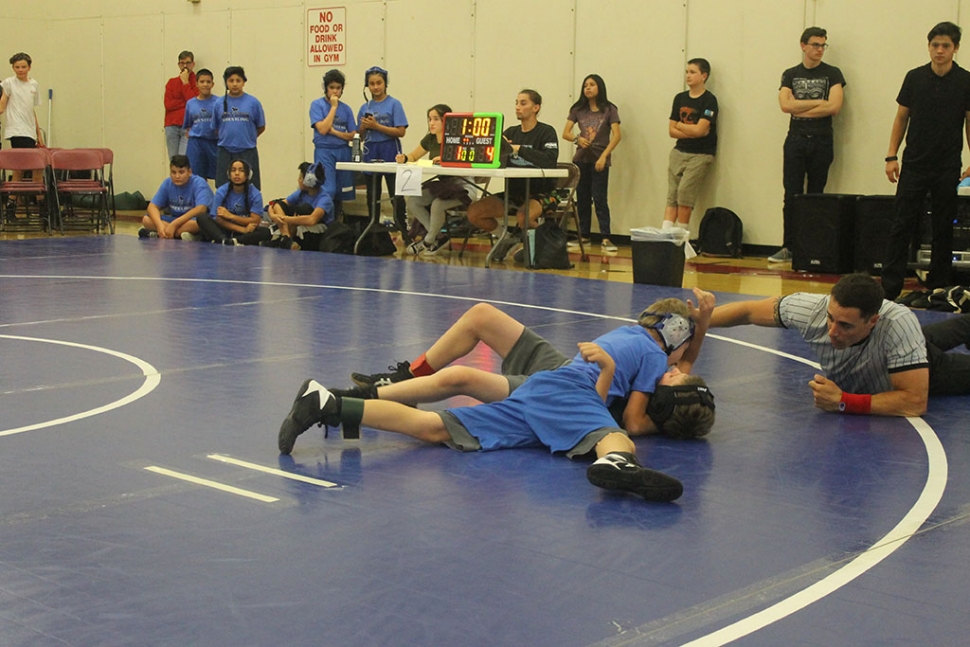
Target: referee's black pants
point(949, 372)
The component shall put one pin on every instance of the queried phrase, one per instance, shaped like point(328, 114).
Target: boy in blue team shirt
point(302, 216)
point(239, 118)
point(185, 196)
point(333, 127)
point(200, 128)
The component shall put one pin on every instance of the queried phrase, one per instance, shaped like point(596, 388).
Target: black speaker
point(824, 232)
point(873, 220)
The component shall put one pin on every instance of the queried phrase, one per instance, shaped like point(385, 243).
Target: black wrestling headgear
point(667, 398)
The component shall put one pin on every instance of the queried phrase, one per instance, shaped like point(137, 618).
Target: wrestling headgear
point(666, 399)
point(674, 329)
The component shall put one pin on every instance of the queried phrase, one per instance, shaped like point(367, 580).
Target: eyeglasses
point(818, 45)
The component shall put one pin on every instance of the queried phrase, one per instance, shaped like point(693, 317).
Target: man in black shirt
point(534, 144)
point(811, 92)
point(934, 115)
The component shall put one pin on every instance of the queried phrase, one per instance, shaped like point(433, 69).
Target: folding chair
point(566, 209)
point(457, 223)
point(80, 192)
point(25, 159)
point(108, 162)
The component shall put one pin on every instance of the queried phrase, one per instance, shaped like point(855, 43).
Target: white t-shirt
point(21, 96)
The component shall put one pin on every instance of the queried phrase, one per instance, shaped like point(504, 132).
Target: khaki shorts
point(685, 173)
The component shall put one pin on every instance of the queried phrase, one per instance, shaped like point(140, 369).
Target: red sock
point(420, 366)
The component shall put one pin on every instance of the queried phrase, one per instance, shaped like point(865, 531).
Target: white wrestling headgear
point(674, 329)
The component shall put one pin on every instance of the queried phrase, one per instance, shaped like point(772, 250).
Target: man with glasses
point(933, 113)
point(178, 91)
point(811, 92)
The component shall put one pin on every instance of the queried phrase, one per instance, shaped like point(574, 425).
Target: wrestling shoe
point(185, 235)
point(620, 471)
point(359, 392)
point(145, 232)
point(314, 405)
point(397, 374)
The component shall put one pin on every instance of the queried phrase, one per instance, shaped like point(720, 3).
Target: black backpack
point(339, 238)
point(720, 233)
point(550, 247)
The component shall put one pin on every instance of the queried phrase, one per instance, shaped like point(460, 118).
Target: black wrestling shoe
point(397, 374)
point(359, 392)
point(314, 405)
point(620, 471)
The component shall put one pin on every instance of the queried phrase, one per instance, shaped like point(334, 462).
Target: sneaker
point(397, 374)
point(314, 405)
point(608, 246)
point(621, 472)
point(145, 232)
point(436, 247)
point(504, 246)
point(518, 253)
point(574, 244)
point(781, 256)
point(272, 242)
point(190, 236)
point(229, 241)
point(416, 247)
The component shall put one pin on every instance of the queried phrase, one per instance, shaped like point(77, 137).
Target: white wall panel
point(108, 60)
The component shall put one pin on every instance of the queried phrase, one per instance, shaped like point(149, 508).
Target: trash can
point(658, 256)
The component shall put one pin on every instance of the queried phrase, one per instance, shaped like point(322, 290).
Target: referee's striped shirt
point(896, 343)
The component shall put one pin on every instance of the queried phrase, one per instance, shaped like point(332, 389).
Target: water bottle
point(355, 148)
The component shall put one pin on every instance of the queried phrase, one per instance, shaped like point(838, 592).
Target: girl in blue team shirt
point(240, 120)
point(382, 123)
point(236, 210)
point(200, 128)
point(333, 127)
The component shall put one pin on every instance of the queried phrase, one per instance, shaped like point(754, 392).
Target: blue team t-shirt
point(343, 122)
point(388, 112)
point(179, 199)
point(199, 115)
point(236, 203)
point(321, 200)
point(640, 362)
point(238, 119)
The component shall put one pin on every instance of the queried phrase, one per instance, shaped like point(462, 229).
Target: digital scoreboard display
point(472, 139)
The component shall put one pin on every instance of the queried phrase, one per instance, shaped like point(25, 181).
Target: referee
point(875, 357)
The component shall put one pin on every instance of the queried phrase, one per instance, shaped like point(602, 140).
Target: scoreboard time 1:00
point(470, 139)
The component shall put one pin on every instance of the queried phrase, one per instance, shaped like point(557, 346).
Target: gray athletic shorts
point(530, 354)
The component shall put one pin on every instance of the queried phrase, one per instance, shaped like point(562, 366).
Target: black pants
point(914, 184)
point(211, 230)
point(806, 158)
point(593, 188)
point(949, 372)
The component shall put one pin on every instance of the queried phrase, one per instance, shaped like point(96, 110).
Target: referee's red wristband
point(855, 403)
